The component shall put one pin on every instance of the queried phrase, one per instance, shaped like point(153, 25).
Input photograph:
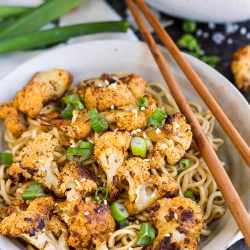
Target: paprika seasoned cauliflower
point(30, 225)
point(43, 87)
point(90, 223)
point(110, 152)
point(172, 140)
point(13, 120)
point(109, 91)
point(76, 180)
point(126, 119)
point(241, 67)
point(77, 128)
point(37, 161)
point(178, 221)
point(144, 188)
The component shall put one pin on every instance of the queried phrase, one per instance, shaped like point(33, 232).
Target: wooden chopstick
point(214, 164)
point(197, 83)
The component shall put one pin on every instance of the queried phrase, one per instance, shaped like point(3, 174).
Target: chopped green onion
point(10, 11)
point(6, 158)
point(71, 98)
point(189, 42)
point(33, 191)
point(156, 118)
point(86, 145)
point(211, 60)
point(73, 103)
point(102, 190)
point(56, 35)
point(38, 17)
point(142, 103)
point(146, 235)
point(183, 165)
point(138, 146)
point(98, 123)
point(189, 26)
point(119, 211)
point(121, 224)
point(78, 154)
point(189, 194)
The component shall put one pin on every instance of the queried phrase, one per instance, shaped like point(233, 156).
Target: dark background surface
point(233, 35)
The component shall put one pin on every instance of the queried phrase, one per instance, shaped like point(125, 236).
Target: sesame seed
point(110, 234)
point(176, 216)
point(167, 235)
point(146, 159)
point(157, 131)
point(144, 135)
point(153, 158)
point(77, 183)
point(174, 207)
point(112, 107)
point(86, 213)
point(130, 248)
point(243, 30)
point(142, 108)
point(113, 85)
point(105, 202)
point(83, 179)
point(106, 82)
point(99, 85)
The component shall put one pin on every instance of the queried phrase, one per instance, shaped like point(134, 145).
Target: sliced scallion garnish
point(98, 123)
point(78, 154)
point(157, 117)
point(33, 191)
point(183, 165)
point(138, 146)
point(6, 158)
point(142, 103)
point(189, 194)
point(146, 235)
point(119, 211)
point(101, 194)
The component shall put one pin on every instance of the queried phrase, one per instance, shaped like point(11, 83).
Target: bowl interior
point(93, 58)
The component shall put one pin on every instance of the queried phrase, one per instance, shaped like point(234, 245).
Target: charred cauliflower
point(30, 225)
point(178, 221)
point(90, 223)
point(43, 87)
point(37, 161)
point(111, 91)
point(144, 188)
point(172, 140)
point(77, 128)
point(13, 120)
point(110, 152)
point(241, 67)
point(76, 180)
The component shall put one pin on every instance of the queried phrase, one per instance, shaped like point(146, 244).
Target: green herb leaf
point(189, 26)
point(211, 60)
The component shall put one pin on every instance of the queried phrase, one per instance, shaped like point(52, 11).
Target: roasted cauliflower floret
point(37, 161)
point(76, 180)
point(172, 140)
point(178, 221)
point(30, 225)
point(110, 152)
point(144, 188)
point(89, 222)
point(14, 207)
point(110, 91)
point(78, 127)
point(43, 88)
point(126, 119)
point(241, 67)
point(13, 120)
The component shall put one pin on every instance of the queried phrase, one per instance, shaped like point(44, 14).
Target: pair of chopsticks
point(214, 164)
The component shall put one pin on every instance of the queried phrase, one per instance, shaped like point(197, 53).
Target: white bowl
point(93, 58)
point(205, 10)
